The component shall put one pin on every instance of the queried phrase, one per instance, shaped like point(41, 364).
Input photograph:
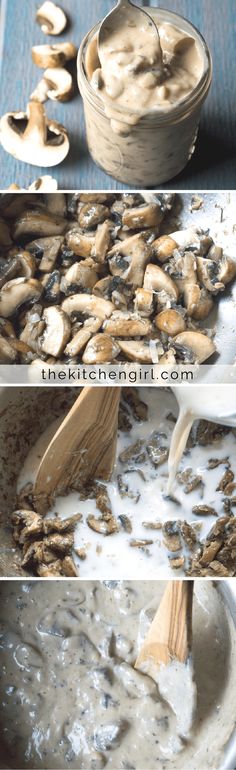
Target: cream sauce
point(132, 79)
point(103, 553)
point(69, 692)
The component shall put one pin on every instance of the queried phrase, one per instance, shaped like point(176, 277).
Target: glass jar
point(160, 145)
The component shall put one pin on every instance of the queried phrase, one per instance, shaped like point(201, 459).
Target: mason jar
point(160, 145)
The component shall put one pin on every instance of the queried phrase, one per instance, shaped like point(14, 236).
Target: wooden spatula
point(84, 447)
point(170, 634)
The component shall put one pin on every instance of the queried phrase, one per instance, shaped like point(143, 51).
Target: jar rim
point(175, 112)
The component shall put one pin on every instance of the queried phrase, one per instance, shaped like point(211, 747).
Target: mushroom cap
point(101, 349)
point(43, 142)
point(51, 18)
point(53, 55)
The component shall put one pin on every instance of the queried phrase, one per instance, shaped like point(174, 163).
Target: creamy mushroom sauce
point(132, 80)
point(150, 502)
point(71, 697)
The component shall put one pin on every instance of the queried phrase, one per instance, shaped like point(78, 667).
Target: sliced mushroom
point(81, 244)
point(199, 345)
point(156, 280)
point(57, 332)
point(80, 339)
point(56, 84)
point(21, 265)
point(186, 238)
point(49, 247)
point(183, 270)
point(216, 275)
point(171, 322)
point(168, 358)
point(51, 18)
point(227, 270)
point(136, 351)
point(101, 349)
point(81, 274)
point(143, 302)
point(7, 353)
point(39, 223)
point(121, 325)
point(5, 237)
point(164, 247)
point(148, 215)
point(44, 184)
point(15, 293)
point(53, 55)
point(208, 274)
point(92, 214)
point(33, 138)
point(129, 259)
point(198, 302)
point(88, 303)
point(102, 241)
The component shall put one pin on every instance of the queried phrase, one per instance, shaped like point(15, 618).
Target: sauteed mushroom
point(84, 277)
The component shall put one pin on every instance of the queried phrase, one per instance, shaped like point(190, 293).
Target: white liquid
point(216, 404)
point(104, 553)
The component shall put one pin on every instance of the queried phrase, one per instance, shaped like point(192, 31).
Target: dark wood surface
point(214, 163)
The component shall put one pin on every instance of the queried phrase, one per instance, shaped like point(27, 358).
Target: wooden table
point(213, 165)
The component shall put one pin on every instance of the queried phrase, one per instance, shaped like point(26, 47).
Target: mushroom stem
point(37, 123)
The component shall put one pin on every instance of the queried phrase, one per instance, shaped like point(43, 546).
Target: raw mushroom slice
point(56, 84)
point(57, 55)
point(51, 18)
point(15, 293)
point(199, 345)
point(57, 332)
point(41, 141)
point(44, 184)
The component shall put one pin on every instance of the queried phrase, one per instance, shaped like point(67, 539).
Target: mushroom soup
point(72, 697)
point(85, 531)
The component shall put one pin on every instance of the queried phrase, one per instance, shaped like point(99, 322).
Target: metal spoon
point(127, 14)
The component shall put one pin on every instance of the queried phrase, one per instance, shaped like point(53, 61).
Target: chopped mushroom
point(33, 138)
point(101, 349)
point(196, 347)
point(57, 332)
point(53, 55)
point(127, 294)
point(15, 293)
point(88, 303)
point(56, 84)
point(156, 279)
point(51, 18)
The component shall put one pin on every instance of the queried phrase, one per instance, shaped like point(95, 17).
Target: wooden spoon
point(84, 447)
point(170, 634)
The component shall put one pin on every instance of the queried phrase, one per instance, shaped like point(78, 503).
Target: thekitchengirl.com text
point(106, 375)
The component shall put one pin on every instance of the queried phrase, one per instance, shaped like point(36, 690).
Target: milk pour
point(217, 404)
